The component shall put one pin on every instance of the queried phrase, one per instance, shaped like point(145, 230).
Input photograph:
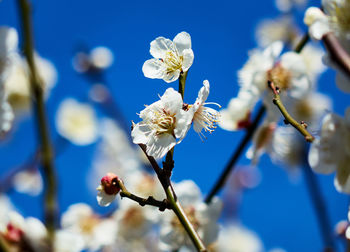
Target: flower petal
point(158, 146)
point(171, 76)
point(182, 41)
point(188, 57)
point(160, 46)
point(154, 69)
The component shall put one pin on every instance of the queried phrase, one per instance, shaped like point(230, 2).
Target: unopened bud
point(108, 189)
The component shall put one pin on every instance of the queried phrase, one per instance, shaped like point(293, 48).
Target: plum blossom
point(287, 5)
point(202, 216)
point(171, 58)
point(163, 122)
point(95, 231)
point(76, 122)
point(28, 181)
point(331, 151)
point(204, 117)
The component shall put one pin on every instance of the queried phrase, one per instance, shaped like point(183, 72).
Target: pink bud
point(13, 233)
point(110, 184)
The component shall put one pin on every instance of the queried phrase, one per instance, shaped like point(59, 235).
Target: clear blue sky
point(222, 33)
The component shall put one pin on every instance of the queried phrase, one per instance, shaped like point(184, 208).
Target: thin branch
point(320, 208)
point(301, 127)
point(50, 202)
point(338, 54)
point(162, 205)
point(182, 83)
point(235, 156)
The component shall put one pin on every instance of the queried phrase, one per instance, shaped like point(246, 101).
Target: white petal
point(203, 94)
point(140, 133)
point(187, 59)
point(171, 76)
point(158, 146)
point(154, 69)
point(172, 101)
point(104, 199)
point(160, 46)
point(274, 50)
point(182, 41)
point(183, 124)
point(317, 162)
point(8, 40)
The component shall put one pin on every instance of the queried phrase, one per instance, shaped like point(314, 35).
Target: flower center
point(280, 76)
point(133, 218)
point(173, 61)
point(163, 122)
point(341, 15)
point(207, 118)
point(88, 224)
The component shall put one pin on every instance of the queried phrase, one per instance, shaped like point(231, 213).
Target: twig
point(162, 205)
point(50, 202)
point(235, 156)
point(338, 54)
point(301, 127)
point(319, 208)
point(182, 83)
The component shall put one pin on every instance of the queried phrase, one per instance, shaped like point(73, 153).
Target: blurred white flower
point(235, 238)
point(76, 122)
point(17, 85)
point(202, 216)
point(29, 182)
point(171, 58)
point(96, 231)
point(204, 117)
point(163, 123)
point(279, 29)
point(98, 59)
point(67, 241)
point(287, 5)
point(318, 23)
point(331, 151)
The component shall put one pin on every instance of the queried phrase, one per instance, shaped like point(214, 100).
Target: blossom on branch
point(171, 58)
point(163, 122)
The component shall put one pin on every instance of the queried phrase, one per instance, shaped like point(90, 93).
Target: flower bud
point(108, 189)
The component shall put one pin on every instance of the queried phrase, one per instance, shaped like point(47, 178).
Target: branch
point(50, 202)
point(162, 205)
point(301, 127)
point(338, 54)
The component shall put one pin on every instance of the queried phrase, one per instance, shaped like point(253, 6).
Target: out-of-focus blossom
point(76, 122)
point(335, 18)
point(68, 241)
point(204, 117)
point(98, 59)
point(108, 189)
point(17, 85)
point(287, 5)
point(171, 58)
point(202, 216)
point(331, 151)
point(312, 56)
point(279, 29)
point(29, 182)
point(96, 231)
point(163, 123)
point(235, 238)
point(144, 185)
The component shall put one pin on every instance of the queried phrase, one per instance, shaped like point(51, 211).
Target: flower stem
point(180, 213)
point(235, 156)
point(3, 245)
point(50, 202)
point(162, 205)
point(182, 83)
point(301, 127)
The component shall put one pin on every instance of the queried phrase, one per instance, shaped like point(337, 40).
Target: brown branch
point(301, 127)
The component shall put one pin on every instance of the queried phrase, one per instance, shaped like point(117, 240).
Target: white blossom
point(76, 122)
point(96, 231)
point(287, 5)
point(331, 151)
point(28, 181)
point(204, 117)
point(171, 58)
point(163, 123)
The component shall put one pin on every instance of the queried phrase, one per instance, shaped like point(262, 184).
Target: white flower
point(204, 117)
point(171, 58)
point(29, 182)
point(235, 238)
point(17, 85)
point(99, 58)
point(202, 216)
point(312, 56)
point(287, 5)
point(67, 241)
point(318, 23)
point(76, 122)
point(163, 122)
point(279, 29)
point(331, 151)
point(96, 231)
point(237, 114)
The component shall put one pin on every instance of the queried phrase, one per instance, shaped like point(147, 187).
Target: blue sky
point(222, 33)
